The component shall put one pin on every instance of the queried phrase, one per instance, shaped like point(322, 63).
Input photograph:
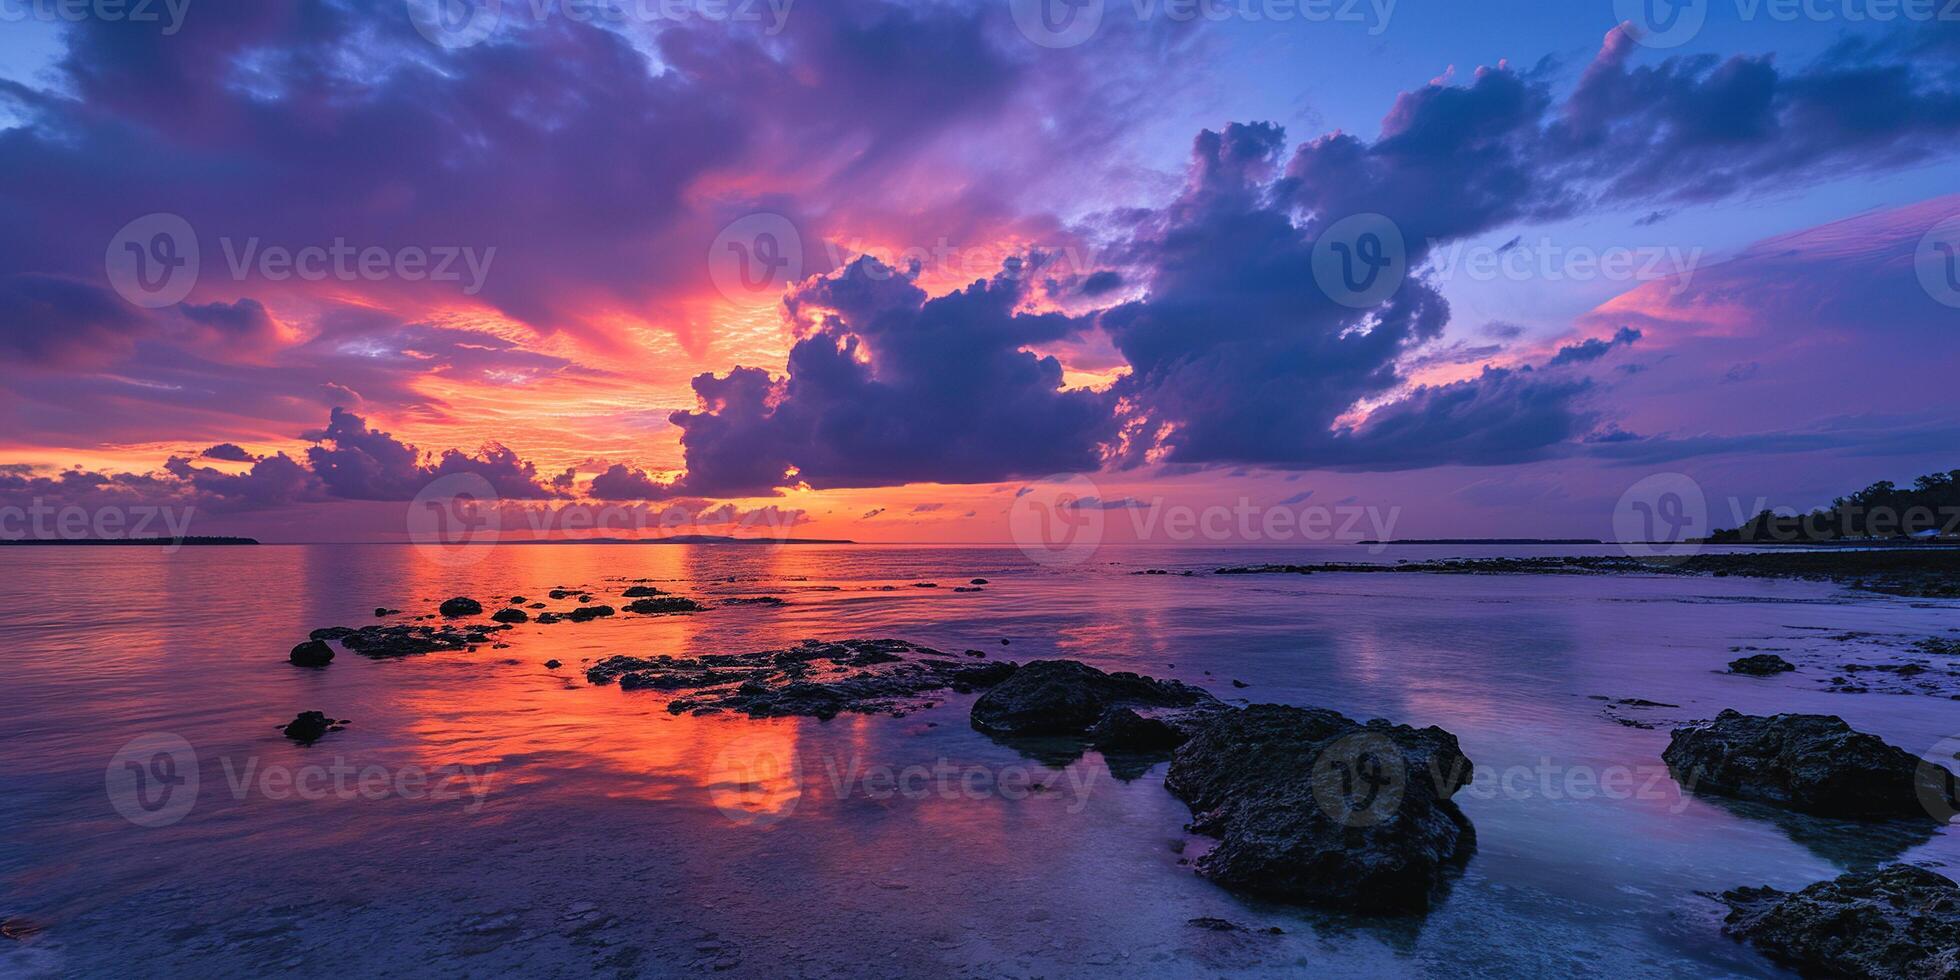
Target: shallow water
point(598, 832)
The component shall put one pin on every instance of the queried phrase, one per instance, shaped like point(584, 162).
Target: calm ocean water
point(483, 814)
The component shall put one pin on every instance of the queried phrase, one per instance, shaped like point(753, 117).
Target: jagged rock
point(663, 604)
point(1124, 730)
point(641, 592)
point(1311, 806)
point(1897, 921)
point(1067, 697)
point(461, 606)
point(1760, 665)
point(587, 613)
point(308, 726)
point(511, 615)
point(1812, 763)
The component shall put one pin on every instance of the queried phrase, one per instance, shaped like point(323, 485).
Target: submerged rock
point(1760, 665)
point(753, 600)
point(663, 604)
point(587, 613)
point(641, 592)
point(1812, 763)
point(1311, 806)
point(308, 726)
point(511, 615)
point(312, 653)
point(1067, 697)
point(1897, 921)
point(461, 606)
point(815, 679)
point(405, 639)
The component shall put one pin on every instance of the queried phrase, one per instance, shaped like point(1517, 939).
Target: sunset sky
point(872, 270)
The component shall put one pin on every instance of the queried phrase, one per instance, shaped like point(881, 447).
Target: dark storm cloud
point(893, 387)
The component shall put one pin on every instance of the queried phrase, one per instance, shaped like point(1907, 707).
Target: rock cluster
point(815, 678)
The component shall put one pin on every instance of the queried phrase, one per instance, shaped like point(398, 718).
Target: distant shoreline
point(1485, 541)
point(206, 541)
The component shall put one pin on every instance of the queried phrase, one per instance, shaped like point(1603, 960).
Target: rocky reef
point(1898, 921)
point(815, 678)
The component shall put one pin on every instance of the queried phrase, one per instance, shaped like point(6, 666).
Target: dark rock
point(308, 726)
point(560, 593)
point(978, 677)
point(641, 592)
point(1897, 921)
point(1760, 665)
point(461, 606)
point(1067, 697)
point(552, 664)
point(536, 605)
point(588, 613)
point(1310, 806)
point(1124, 730)
point(977, 581)
point(407, 639)
point(511, 615)
point(968, 588)
point(384, 611)
point(518, 600)
point(663, 605)
point(1812, 763)
point(753, 600)
point(547, 618)
point(312, 653)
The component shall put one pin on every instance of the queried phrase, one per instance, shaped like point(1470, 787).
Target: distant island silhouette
point(679, 539)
